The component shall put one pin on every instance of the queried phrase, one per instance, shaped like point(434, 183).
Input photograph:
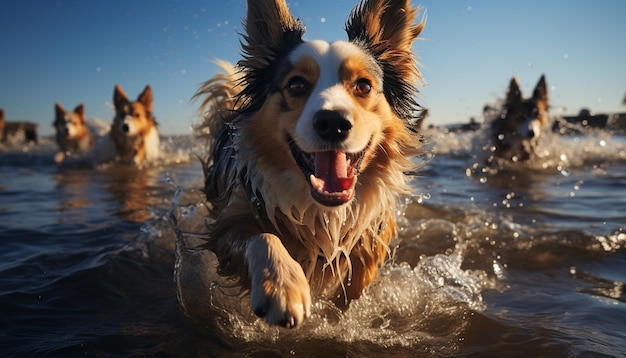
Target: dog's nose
point(332, 126)
point(125, 128)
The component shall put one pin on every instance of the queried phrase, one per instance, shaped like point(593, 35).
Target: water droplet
point(483, 180)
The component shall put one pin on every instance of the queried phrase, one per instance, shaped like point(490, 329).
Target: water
point(526, 260)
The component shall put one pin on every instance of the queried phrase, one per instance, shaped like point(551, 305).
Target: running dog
point(134, 130)
point(519, 124)
point(311, 150)
point(72, 133)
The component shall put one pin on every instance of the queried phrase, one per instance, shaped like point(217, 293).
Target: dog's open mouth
point(331, 174)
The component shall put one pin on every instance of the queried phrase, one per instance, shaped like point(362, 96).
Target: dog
point(17, 132)
point(72, 134)
point(134, 129)
point(517, 126)
point(311, 147)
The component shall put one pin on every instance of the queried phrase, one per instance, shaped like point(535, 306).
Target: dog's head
point(521, 120)
point(132, 118)
point(70, 125)
point(331, 114)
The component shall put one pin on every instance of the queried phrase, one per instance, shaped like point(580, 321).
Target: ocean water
point(516, 261)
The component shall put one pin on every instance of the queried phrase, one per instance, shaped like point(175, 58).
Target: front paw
point(279, 290)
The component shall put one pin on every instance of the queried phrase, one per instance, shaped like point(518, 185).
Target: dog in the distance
point(516, 128)
point(72, 133)
point(311, 150)
point(134, 130)
point(17, 132)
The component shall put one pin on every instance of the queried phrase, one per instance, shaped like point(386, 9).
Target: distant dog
point(72, 133)
point(517, 126)
point(311, 148)
point(134, 130)
point(17, 132)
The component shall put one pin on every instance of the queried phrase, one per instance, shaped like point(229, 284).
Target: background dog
point(72, 133)
point(17, 132)
point(520, 122)
point(311, 143)
point(134, 130)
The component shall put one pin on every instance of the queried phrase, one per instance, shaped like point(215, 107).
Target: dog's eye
point(363, 86)
point(297, 86)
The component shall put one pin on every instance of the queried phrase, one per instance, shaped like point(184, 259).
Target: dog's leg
point(279, 290)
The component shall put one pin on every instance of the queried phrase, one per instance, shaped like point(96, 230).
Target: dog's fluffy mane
point(330, 236)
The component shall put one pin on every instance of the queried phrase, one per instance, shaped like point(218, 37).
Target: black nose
point(531, 133)
point(331, 126)
point(125, 128)
point(67, 131)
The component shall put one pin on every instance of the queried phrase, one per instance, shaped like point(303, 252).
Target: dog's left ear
point(80, 110)
point(388, 28)
point(145, 98)
point(541, 90)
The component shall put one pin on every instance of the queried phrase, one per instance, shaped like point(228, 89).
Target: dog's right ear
point(514, 95)
point(59, 110)
point(269, 27)
point(119, 96)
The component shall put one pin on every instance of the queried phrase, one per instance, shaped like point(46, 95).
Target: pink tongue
point(332, 168)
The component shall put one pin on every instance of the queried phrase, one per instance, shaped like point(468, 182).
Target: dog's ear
point(119, 97)
point(271, 32)
point(514, 95)
point(269, 28)
point(145, 98)
point(59, 110)
point(541, 90)
point(1, 115)
point(388, 28)
point(80, 111)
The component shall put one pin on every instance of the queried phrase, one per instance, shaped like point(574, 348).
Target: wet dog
point(17, 132)
point(517, 126)
point(72, 134)
point(134, 130)
point(311, 150)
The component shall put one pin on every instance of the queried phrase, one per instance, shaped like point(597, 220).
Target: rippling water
point(526, 260)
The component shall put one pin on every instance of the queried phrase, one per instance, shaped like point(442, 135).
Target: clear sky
point(75, 51)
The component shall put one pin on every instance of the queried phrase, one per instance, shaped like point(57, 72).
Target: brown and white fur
point(134, 130)
point(72, 133)
point(311, 150)
point(520, 123)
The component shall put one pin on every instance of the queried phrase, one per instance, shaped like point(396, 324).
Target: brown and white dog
point(520, 122)
point(17, 132)
point(72, 133)
point(311, 150)
point(134, 130)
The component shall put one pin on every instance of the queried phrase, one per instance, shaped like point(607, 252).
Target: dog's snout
point(332, 126)
point(125, 128)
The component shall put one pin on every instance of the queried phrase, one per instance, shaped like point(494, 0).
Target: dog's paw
point(279, 290)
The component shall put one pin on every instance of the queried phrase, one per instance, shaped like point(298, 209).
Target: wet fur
point(134, 130)
point(269, 231)
point(71, 132)
point(516, 128)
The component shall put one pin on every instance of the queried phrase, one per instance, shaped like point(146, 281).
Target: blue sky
point(73, 51)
